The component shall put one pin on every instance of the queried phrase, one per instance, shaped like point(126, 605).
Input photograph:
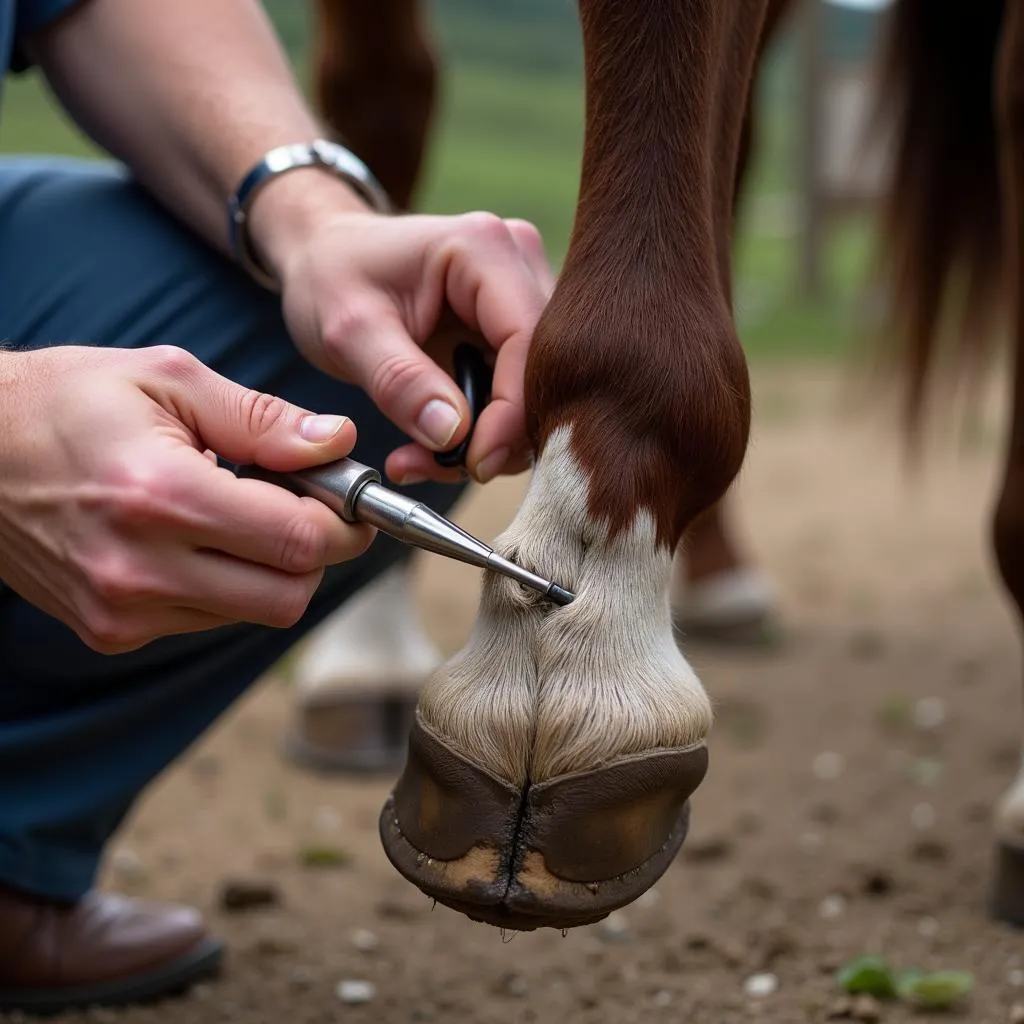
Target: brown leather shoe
point(103, 950)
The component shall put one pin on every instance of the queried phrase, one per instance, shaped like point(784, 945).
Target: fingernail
point(319, 429)
point(439, 421)
point(410, 479)
point(490, 467)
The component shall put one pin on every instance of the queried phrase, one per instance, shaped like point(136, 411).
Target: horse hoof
point(558, 854)
point(1008, 884)
point(354, 734)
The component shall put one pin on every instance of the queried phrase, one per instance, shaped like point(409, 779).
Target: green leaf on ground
point(870, 975)
point(935, 991)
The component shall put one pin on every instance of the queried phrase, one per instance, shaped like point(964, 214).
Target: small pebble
point(831, 907)
point(758, 986)
point(364, 940)
point(922, 816)
point(866, 1008)
point(326, 819)
point(201, 993)
point(1015, 978)
point(243, 894)
point(927, 927)
point(662, 998)
point(614, 928)
point(929, 713)
point(352, 991)
point(1016, 1014)
point(828, 766)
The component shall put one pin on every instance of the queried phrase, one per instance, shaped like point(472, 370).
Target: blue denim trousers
point(87, 258)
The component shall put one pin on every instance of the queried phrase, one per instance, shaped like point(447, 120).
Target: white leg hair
point(1009, 813)
point(374, 642)
point(539, 691)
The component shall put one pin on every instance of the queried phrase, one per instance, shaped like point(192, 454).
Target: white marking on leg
point(540, 691)
point(1009, 811)
point(374, 642)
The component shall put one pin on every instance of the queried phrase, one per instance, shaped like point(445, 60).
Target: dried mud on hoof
point(558, 854)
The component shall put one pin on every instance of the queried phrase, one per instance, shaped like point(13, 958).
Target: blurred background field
point(509, 140)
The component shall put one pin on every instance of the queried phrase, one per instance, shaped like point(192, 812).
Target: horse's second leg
point(1008, 532)
point(375, 77)
point(716, 593)
point(358, 678)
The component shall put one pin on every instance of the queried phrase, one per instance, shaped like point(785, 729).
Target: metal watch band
point(331, 156)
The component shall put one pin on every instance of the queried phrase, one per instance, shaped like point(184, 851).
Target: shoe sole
point(201, 961)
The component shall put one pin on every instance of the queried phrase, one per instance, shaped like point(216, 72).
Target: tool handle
point(474, 376)
point(336, 484)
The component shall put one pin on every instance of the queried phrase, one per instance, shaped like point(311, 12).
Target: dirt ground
point(847, 808)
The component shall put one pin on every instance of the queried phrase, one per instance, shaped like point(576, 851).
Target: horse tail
point(942, 244)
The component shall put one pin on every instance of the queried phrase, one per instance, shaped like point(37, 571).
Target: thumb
point(403, 381)
point(247, 426)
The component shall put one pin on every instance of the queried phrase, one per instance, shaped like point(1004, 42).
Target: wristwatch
point(332, 157)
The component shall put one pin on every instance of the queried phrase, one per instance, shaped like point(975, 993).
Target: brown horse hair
point(376, 84)
point(941, 255)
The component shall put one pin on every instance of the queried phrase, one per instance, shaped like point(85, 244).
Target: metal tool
point(354, 492)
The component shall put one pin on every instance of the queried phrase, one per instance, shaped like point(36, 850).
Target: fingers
point(403, 381)
point(206, 590)
point(238, 591)
point(499, 283)
point(129, 634)
point(258, 521)
point(531, 245)
point(490, 283)
point(413, 464)
point(240, 424)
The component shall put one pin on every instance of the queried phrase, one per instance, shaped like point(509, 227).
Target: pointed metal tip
point(560, 595)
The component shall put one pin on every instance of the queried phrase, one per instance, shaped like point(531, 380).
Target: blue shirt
point(19, 18)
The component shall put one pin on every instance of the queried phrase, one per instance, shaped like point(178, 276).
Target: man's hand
point(364, 295)
point(116, 519)
point(190, 95)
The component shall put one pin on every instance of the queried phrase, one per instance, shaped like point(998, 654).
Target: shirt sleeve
point(31, 16)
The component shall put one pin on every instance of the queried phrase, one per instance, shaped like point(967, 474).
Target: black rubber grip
point(474, 377)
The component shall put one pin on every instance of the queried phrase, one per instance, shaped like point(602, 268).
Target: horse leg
point(552, 758)
point(357, 678)
point(375, 78)
point(1008, 526)
point(716, 594)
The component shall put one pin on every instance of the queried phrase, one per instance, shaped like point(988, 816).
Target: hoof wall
point(352, 734)
point(558, 854)
point(1008, 884)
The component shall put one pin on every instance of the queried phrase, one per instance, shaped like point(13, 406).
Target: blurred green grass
point(509, 140)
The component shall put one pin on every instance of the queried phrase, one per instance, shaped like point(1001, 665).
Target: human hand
point(369, 298)
point(115, 517)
